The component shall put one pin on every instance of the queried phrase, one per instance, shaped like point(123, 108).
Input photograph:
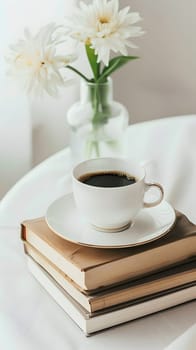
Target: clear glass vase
point(97, 122)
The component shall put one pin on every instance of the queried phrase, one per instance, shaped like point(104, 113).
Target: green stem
point(77, 72)
point(94, 120)
point(93, 58)
point(96, 103)
point(97, 151)
point(92, 147)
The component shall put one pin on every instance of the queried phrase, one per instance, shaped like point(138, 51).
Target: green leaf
point(92, 57)
point(114, 64)
point(79, 73)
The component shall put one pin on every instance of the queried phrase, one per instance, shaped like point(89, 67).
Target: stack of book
point(100, 288)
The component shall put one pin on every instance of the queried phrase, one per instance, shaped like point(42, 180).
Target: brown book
point(162, 281)
point(93, 268)
point(93, 322)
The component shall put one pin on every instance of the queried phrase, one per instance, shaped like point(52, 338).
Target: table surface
point(29, 318)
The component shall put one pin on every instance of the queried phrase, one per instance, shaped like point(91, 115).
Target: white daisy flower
point(35, 62)
point(104, 27)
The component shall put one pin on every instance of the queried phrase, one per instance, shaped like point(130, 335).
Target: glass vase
point(97, 123)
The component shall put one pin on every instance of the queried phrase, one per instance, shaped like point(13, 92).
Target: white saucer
point(64, 219)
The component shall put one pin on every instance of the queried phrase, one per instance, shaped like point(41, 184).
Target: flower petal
point(36, 63)
point(104, 26)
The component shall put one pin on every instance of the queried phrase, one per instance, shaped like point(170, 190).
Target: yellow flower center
point(104, 20)
point(88, 41)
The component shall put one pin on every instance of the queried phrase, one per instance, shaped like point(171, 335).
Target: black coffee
point(108, 179)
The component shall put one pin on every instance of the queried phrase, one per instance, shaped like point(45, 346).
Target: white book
point(93, 322)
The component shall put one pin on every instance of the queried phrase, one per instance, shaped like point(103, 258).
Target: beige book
point(93, 322)
point(93, 268)
point(174, 277)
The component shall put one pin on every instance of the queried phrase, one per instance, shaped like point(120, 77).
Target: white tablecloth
point(29, 318)
point(187, 341)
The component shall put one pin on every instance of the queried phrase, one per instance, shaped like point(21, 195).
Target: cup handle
point(157, 201)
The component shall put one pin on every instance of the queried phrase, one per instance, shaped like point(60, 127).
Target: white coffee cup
point(111, 209)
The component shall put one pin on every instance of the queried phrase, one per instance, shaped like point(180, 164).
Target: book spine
point(23, 232)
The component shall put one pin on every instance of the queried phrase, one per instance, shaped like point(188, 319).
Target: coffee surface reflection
point(107, 179)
